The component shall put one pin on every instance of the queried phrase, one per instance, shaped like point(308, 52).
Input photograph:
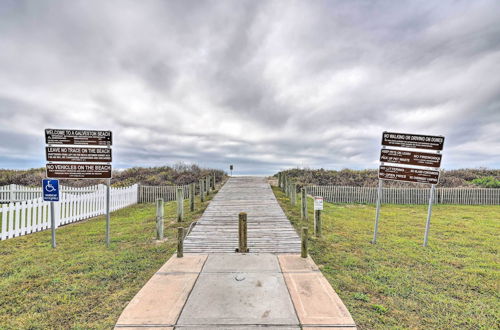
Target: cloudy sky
point(263, 85)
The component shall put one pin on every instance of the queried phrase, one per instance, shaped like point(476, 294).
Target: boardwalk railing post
point(242, 231)
point(202, 193)
point(317, 223)
point(159, 218)
point(279, 179)
point(293, 198)
point(303, 201)
point(180, 204)
point(207, 185)
point(213, 182)
point(303, 249)
point(191, 196)
point(180, 242)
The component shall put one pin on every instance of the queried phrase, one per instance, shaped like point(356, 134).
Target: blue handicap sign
point(50, 188)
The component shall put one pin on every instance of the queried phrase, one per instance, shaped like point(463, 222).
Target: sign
point(50, 189)
point(78, 154)
point(318, 203)
point(78, 137)
point(398, 173)
point(412, 141)
point(231, 167)
point(410, 157)
point(78, 171)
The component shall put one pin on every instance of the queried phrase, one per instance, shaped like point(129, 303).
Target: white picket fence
point(32, 215)
point(464, 196)
point(17, 193)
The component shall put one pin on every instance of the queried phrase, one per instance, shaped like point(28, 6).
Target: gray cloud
point(262, 85)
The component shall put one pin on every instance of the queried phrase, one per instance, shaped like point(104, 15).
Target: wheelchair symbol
point(49, 187)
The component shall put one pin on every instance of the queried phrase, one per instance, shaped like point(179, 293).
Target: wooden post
point(303, 209)
point(138, 193)
point(180, 242)
point(303, 250)
point(293, 199)
point(180, 204)
point(207, 184)
point(192, 188)
point(213, 182)
point(242, 226)
point(279, 179)
point(317, 223)
point(159, 218)
point(202, 193)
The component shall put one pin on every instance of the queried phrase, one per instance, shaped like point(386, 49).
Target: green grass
point(397, 283)
point(81, 284)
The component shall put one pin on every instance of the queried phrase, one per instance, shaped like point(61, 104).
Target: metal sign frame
point(422, 167)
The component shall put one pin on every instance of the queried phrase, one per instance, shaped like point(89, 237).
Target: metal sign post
point(69, 156)
point(231, 169)
point(419, 167)
point(50, 189)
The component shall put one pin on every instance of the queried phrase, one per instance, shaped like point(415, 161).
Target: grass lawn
point(81, 284)
point(397, 283)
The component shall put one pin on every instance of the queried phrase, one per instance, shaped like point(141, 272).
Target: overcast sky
point(263, 85)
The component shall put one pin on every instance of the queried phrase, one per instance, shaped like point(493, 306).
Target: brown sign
point(78, 171)
point(410, 157)
point(412, 141)
point(78, 137)
point(78, 154)
point(408, 174)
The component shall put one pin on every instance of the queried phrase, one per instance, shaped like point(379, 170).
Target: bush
point(487, 182)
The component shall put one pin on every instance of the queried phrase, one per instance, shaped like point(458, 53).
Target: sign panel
point(50, 189)
point(410, 157)
point(231, 167)
point(78, 154)
point(78, 137)
point(412, 141)
point(397, 173)
point(318, 203)
point(78, 171)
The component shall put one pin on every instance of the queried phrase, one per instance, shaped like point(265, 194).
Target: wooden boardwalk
point(269, 230)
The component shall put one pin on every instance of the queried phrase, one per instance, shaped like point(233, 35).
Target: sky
point(262, 85)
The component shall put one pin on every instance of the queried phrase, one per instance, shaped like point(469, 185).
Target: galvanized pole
point(108, 215)
point(377, 214)
point(429, 213)
point(53, 224)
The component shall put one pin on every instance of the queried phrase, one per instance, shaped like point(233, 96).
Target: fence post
point(303, 201)
point(159, 218)
point(202, 193)
point(242, 226)
point(303, 250)
point(213, 182)
point(293, 199)
point(138, 193)
point(180, 202)
point(207, 184)
point(279, 179)
point(191, 196)
point(12, 196)
point(180, 242)
point(317, 223)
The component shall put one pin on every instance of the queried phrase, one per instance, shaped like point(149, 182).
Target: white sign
point(318, 203)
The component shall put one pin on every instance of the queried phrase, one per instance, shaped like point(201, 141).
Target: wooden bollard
point(317, 223)
point(202, 192)
point(293, 197)
point(207, 184)
point(180, 204)
point(242, 226)
point(159, 218)
point(303, 201)
point(180, 242)
point(192, 188)
point(303, 249)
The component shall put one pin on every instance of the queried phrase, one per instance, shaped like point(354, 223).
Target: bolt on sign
point(78, 154)
point(410, 165)
point(78, 137)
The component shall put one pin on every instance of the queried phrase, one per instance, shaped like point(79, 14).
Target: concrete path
point(268, 227)
point(217, 288)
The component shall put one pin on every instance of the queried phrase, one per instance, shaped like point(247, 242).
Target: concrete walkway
point(238, 291)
